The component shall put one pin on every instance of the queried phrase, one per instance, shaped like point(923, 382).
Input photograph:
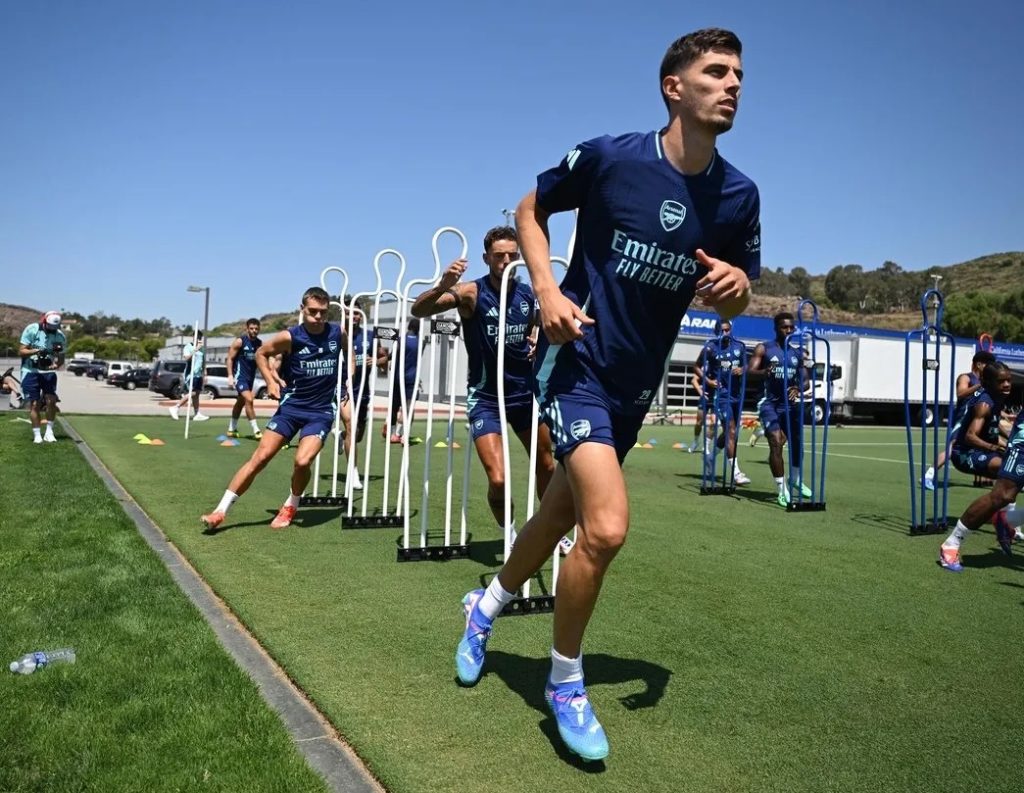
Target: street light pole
point(937, 278)
point(509, 216)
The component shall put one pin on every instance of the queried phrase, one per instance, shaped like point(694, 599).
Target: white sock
point(226, 501)
point(398, 429)
point(254, 425)
point(293, 500)
point(565, 670)
point(1014, 515)
point(36, 432)
point(732, 464)
point(232, 424)
point(494, 600)
point(759, 433)
point(780, 482)
point(958, 536)
point(930, 473)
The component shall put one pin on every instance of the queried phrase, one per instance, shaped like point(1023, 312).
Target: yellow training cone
point(138, 437)
point(144, 441)
point(440, 445)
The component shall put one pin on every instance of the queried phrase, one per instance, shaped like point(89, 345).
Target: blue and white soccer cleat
point(949, 559)
point(577, 724)
point(805, 491)
point(1004, 532)
point(928, 483)
point(469, 655)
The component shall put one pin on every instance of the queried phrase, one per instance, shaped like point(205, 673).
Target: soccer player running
point(311, 355)
point(42, 354)
point(242, 374)
point(662, 218)
point(976, 450)
point(193, 384)
point(786, 380)
point(966, 384)
point(478, 303)
point(725, 358)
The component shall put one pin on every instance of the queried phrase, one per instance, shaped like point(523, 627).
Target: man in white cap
point(42, 353)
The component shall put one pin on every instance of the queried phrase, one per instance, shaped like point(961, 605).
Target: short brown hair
point(316, 293)
point(499, 233)
point(685, 50)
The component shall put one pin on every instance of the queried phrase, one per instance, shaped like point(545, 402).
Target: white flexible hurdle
point(333, 500)
point(447, 329)
point(525, 604)
point(368, 385)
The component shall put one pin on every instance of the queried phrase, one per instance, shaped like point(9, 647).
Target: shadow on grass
point(307, 518)
point(994, 558)
point(526, 676)
point(890, 522)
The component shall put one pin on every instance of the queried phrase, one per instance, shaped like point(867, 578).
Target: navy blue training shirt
point(633, 267)
point(311, 370)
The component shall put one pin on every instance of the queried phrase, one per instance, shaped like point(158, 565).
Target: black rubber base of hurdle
point(717, 490)
point(940, 526)
point(805, 506)
point(323, 501)
point(522, 607)
point(372, 522)
point(433, 553)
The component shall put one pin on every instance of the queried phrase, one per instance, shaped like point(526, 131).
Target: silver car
point(216, 384)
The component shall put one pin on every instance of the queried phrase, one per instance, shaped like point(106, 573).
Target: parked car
point(116, 367)
point(78, 366)
point(216, 384)
point(97, 370)
point(167, 378)
point(131, 379)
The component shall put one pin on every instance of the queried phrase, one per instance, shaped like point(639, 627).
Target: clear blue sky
point(246, 145)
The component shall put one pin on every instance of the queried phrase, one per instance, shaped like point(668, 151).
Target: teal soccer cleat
point(577, 724)
point(469, 655)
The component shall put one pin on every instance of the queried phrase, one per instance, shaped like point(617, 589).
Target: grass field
point(153, 702)
point(736, 647)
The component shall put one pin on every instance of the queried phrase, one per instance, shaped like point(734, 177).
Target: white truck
point(868, 377)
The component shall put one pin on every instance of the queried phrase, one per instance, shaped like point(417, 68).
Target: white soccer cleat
point(37, 439)
point(173, 410)
point(49, 437)
point(741, 478)
point(200, 417)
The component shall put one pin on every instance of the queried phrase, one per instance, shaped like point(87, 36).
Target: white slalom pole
point(452, 343)
point(463, 529)
point(191, 375)
point(339, 303)
point(372, 352)
point(408, 406)
point(502, 413)
point(355, 394)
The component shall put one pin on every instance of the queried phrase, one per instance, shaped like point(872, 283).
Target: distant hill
point(13, 319)
point(994, 274)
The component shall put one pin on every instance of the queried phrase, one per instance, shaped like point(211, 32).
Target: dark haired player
point(785, 381)
point(976, 450)
point(242, 374)
point(478, 304)
point(662, 218)
point(725, 359)
point(311, 352)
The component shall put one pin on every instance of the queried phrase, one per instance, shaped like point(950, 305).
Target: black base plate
point(805, 506)
point(433, 553)
point(323, 501)
point(372, 522)
point(521, 607)
point(940, 526)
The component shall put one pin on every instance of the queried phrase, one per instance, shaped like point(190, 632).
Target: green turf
point(735, 647)
point(153, 702)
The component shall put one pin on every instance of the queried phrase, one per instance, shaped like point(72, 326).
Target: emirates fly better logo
point(672, 215)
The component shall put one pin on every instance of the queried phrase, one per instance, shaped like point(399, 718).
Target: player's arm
point(447, 294)
point(755, 366)
point(27, 346)
point(59, 348)
point(279, 344)
point(559, 317)
point(980, 415)
point(963, 385)
point(696, 383)
point(233, 349)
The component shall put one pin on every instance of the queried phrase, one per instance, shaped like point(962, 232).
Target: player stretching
point(662, 218)
point(311, 352)
point(242, 374)
point(785, 380)
point(976, 450)
point(966, 383)
point(477, 302)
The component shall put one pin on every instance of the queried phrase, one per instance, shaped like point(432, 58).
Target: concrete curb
point(313, 735)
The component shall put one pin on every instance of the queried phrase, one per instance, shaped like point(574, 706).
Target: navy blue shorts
point(289, 422)
point(773, 415)
point(197, 385)
point(972, 461)
point(484, 418)
point(37, 384)
point(582, 416)
point(1013, 462)
point(728, 410)
point(241, 386)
